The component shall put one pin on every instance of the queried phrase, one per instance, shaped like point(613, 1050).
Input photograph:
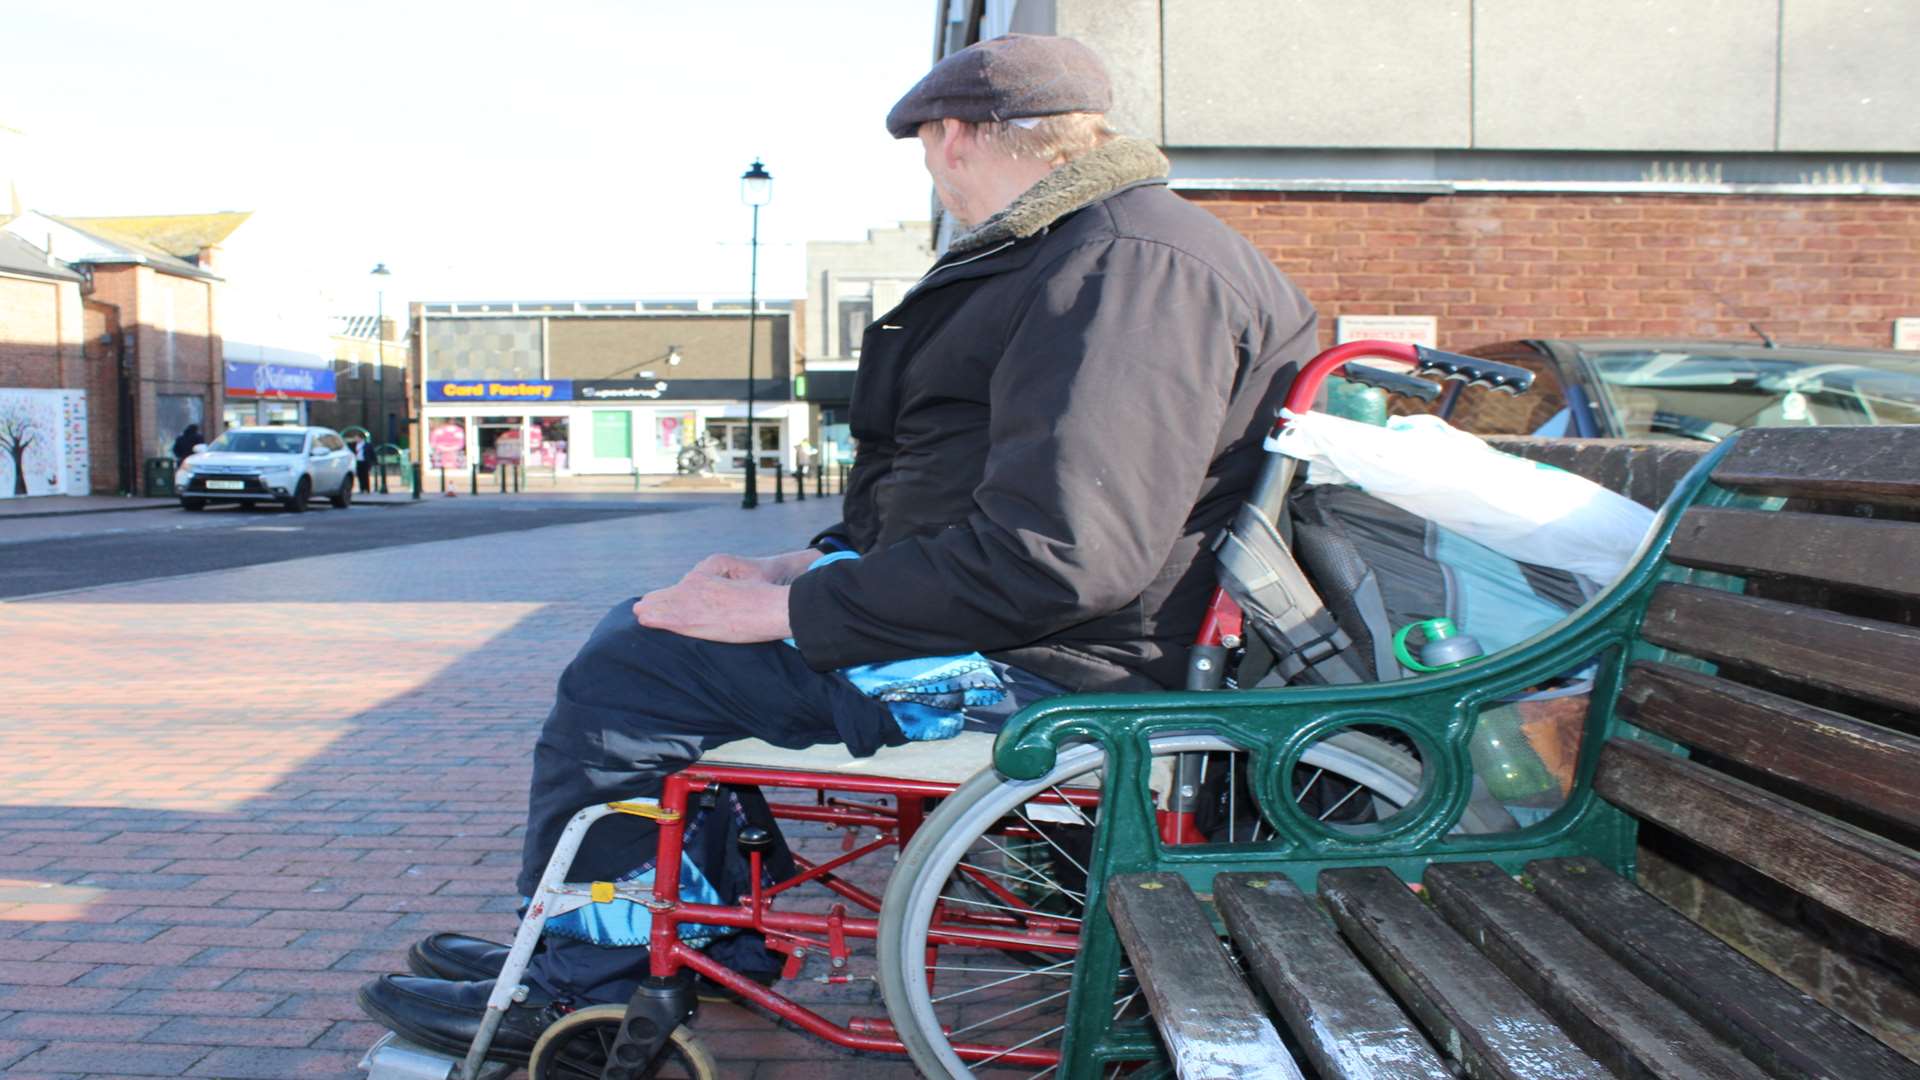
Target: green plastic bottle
point(1503, 759)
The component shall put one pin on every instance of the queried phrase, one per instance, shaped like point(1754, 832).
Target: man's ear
point(956, 138)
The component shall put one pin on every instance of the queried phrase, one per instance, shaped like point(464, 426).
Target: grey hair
point(1051, 139)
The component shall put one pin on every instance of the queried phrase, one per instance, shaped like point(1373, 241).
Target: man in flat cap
point(1054, 426)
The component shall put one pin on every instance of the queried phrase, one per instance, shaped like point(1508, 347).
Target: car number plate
point(226, 485)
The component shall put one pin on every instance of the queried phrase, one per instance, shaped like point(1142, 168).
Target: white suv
point(287, 465)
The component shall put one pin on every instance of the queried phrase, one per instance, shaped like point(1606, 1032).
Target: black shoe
point(457, 957)
point(443, 1015)
point(462, 957)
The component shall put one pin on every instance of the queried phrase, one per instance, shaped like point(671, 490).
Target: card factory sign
point(536, 390)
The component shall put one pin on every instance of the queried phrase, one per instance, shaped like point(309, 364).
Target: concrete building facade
point(1524, 168)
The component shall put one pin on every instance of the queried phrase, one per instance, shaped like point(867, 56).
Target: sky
point(484, 150)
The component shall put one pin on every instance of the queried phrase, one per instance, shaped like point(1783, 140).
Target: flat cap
point(1006, 78)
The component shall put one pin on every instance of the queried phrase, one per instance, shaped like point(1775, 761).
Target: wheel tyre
point(573, 1048)
point(344, 497)
point(195, 505)
point(927, 862)
point(302, 494)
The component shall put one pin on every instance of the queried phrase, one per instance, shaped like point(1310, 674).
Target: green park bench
point(1754, 692)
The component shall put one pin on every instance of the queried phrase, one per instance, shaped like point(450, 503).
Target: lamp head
point(380, 270)
point(756, 185)
point(673, 355)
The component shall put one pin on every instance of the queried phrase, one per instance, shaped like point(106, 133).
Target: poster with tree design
point(31, 444)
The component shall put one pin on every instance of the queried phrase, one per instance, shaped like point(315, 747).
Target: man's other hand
point(714, 608)
point(771, 570)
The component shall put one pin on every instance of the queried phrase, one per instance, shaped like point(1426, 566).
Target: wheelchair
point(973, 939)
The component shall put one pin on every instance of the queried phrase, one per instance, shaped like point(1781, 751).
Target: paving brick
point(293, 959)
point(136, 977)
point(210, 916)
point(282, 981)
point(91, 1027)
point(237, 1031)
point(78, 931)
point(59, 998)
point(130, 1059)
point(40, 972)
point(197, 1003)
point(273, 1064)
point(145, 952)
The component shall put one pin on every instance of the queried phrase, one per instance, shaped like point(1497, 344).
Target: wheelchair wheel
point(575, 1048)
point(993, 857)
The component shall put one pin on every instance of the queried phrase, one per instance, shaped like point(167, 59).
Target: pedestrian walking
point(362, 460)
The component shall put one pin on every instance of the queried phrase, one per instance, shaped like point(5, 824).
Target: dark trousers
point(638, 704)
point(364, 471)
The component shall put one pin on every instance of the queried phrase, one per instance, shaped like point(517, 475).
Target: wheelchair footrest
point(394, 1058)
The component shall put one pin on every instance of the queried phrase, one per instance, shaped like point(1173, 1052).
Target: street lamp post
point(756, 190)
point(380, 276)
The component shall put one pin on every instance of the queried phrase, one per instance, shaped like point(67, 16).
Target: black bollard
point(819, 480)
point(473, 479)
point(779, 483)
point(800, 484)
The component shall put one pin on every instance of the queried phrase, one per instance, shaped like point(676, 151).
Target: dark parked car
point(1683, 389)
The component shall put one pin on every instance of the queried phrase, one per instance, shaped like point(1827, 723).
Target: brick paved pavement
point(208, 839)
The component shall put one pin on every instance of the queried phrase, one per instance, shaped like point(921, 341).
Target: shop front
point(577, 428)
point(272, 394)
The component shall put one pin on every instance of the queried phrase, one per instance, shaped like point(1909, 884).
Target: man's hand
point(771, 570)
point(715, 608)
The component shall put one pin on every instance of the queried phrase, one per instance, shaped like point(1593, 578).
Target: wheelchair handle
point(1393, 382)
point(1505, 378)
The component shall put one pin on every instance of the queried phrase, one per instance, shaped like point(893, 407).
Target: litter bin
point(159, 475)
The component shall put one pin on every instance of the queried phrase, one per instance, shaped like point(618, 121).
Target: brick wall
point(1492, 267)
point(40, 333)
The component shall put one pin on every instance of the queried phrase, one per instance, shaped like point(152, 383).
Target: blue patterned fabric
point(928, 696)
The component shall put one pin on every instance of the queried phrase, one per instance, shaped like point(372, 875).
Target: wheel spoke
point(1050, 841)
point(951, 899)
point(1335, 808)
point(1056, 886)
point(1017, 879)
point(1002, 982)
point(1071, 805)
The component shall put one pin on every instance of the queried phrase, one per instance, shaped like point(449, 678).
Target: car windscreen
point(259, 442)
point(1700, 394)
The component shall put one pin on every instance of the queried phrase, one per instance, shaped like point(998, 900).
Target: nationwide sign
point(501, 390)
point(617, 390)
point(249, 380)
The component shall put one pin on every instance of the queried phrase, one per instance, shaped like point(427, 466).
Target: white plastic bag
point(1527, 511)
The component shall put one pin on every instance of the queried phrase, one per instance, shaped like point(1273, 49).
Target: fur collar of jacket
point(1085, 180)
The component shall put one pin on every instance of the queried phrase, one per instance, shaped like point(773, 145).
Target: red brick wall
point(39, 333)
point(1491, 267)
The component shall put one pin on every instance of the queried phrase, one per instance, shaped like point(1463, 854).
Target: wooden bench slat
point(1466, 1005)
point(1864, 765)
point(1864, 658)
point(1207, 1016)
point(1867, 464)
point(1611, 1014)
point(1784, 1031)
point(1855, 873)
point(1856, 553)
point(1347, 1023)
